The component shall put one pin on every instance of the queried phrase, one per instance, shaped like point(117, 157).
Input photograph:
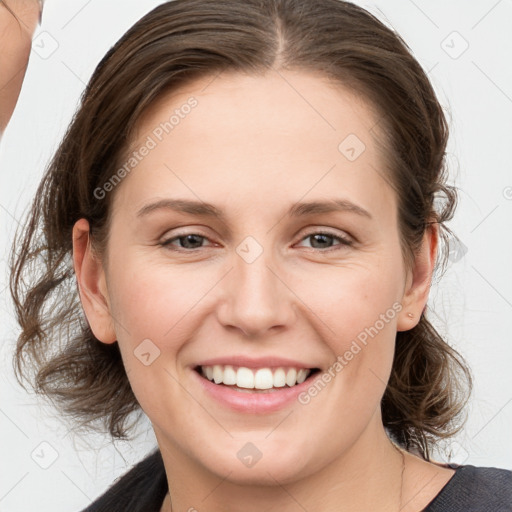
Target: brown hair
point(180, 41)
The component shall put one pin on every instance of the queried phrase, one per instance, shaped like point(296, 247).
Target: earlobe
point(418, 281)
point(91, 282)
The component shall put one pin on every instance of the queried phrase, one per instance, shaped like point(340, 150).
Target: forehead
point(277, 101)
point(285, 132)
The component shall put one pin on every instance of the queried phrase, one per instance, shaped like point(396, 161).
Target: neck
point(367, 477)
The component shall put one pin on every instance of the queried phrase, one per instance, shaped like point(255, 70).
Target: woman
point(245, 199)
point(18, 20)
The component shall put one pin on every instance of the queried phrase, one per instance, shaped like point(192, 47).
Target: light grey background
point(472, 304)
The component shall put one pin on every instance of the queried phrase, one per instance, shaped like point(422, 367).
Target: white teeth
point(291, 377)
point(279, 378)
point(218, 374)
point(244, 378)
point(229, 376)
point(301, 375)
point(261, 378)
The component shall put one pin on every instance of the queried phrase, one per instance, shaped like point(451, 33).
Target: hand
point(18, 21)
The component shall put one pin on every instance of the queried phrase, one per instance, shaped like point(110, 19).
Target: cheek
point(153, 300)
point(151, 307)
point(353, 298)
point(358, 311)
point(157, 310)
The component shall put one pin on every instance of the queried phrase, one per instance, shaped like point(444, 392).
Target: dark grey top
point(471, 489)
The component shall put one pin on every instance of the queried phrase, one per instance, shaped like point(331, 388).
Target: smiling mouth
point(255, 380)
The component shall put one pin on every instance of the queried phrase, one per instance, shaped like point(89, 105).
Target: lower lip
point(255, 402)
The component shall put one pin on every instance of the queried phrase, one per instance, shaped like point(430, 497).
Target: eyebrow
point(203, 209)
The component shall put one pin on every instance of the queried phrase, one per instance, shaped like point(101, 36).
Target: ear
point(418, 280)
point(91, 282)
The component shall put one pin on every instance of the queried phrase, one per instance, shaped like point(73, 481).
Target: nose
point(257, 298)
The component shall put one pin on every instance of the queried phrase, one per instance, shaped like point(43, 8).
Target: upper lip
point(256, 362)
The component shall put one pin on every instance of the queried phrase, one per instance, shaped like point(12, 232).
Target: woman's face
point(280, 159)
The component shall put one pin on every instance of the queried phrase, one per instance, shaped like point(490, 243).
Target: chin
point(265, 463)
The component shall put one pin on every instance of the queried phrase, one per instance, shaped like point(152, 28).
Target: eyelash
point(344, 242)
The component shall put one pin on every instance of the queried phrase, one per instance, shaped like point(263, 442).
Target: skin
point(254, 146)
point(15, 45)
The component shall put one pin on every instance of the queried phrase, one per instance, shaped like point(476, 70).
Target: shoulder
point(142, 488)
point(475, 489)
